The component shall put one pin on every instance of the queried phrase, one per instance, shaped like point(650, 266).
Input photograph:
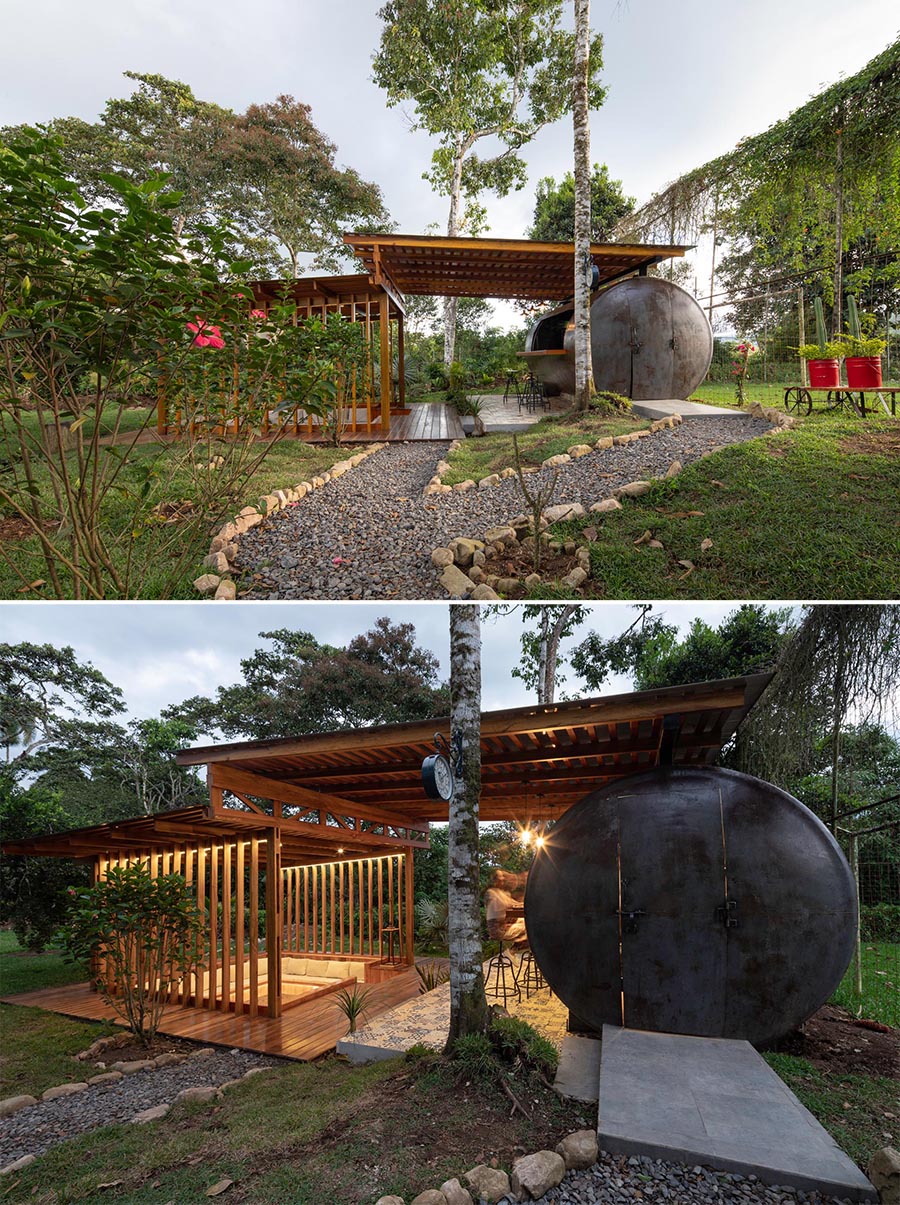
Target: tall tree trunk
point(450, 303)
point(551, 634)
point(584, 374)
point(468, 1006)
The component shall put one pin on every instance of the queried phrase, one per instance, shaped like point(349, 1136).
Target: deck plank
point(303, 1032)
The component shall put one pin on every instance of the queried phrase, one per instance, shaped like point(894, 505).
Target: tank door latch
point(727, 913)
point(629, 918)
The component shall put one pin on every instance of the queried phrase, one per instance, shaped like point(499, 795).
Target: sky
point(686, 81)
point(162, 653)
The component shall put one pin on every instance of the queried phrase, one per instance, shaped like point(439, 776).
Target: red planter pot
point(824, 374)
point(863, 372)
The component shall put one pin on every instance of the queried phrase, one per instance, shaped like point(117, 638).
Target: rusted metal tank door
point(611, 342)
point(673, 941)
point(652, 344)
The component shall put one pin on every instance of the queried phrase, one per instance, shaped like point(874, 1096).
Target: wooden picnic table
point(798, 399)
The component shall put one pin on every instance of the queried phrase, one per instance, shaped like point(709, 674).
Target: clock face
point(437, 777)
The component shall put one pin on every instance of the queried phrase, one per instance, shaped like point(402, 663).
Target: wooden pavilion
point(310, 840)
point(398, 265)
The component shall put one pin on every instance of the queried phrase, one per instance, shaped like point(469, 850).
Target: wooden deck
point(304, 1032)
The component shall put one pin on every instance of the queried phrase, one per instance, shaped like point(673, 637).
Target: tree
point(287, 193)
point(497, 71)
point(748, 641)
point(299, 685)
point(269, 173)
point(807, 188)
point(145, 934)
point(49, 700)
point(841, 668)
point(554, 208)
point(583, 269)
point(546, 626)
point(468, 1006)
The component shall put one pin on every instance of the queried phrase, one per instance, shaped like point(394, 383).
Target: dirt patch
point(872, 443)
point(132, 1051)
point(13, 530)
point(834, 1041)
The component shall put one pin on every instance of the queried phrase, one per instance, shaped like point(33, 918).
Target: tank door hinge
point(629, 918)
point(727, 913)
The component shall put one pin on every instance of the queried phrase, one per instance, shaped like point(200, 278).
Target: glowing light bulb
point(539, 842)
point(525, 836)
point(340, 849)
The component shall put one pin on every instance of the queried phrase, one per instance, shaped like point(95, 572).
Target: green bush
point(513, 1038)
point(608, 402)
point(474, 1056)
point(879, 922)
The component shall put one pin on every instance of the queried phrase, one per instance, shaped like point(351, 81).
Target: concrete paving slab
point(663, 407)
point(578, 1073)
point(717, 1102)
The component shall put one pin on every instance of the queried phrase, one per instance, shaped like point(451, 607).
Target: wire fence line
point(871, 987)
point(778, 317)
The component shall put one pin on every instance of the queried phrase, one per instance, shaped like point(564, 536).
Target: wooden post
point(801, 331)
point(401, 363)
point(273, 922)
point(239, 929)
point(202, 905)
point(226, 926)
point(385, 330)
point(214, 926)
point(410, 912)
point(254, 926)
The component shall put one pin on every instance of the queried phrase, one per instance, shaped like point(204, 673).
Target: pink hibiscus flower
point(205, 334)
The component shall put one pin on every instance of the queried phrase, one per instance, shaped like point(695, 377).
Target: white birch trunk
point(450, 303)
point(551, 634)
point(584, 375)
point(468, 1006)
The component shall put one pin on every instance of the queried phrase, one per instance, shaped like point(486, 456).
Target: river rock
point(579, 1150)
point(63, 1090)
point(456, 583)
point(489, 1183)
point(536, 1174)
point(12, 1104)
point(455, 1194)
point(884, 1172)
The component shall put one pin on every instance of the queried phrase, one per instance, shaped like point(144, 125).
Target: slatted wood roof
point(536, 762)
point(330, 291)
point(510, 268)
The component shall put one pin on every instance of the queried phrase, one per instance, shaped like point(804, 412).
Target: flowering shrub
point(142, 934)
point(743, 351)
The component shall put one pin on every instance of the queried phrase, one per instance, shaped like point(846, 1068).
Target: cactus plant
point(853, 318)
point(821, 332)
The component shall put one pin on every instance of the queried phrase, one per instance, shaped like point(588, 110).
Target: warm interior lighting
point(539, 842)
point(340, 849)
point(525, 836)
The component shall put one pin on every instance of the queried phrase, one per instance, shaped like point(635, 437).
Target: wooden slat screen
point(343, 908)
point(226, 879)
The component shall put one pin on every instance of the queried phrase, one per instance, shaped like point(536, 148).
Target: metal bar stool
point(529, 975)
point(499, 967)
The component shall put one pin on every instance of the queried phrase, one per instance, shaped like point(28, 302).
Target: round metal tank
point(694, 901)
point(649, 340)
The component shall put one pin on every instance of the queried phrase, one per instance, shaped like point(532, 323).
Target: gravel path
point(34, 1130)
point(621, 1180)
point(376, 520)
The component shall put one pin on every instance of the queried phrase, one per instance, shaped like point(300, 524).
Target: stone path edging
point(126, 1076)
point(222, 551)
point(575, 452)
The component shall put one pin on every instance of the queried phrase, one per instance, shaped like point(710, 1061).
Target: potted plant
point(822, 357)
point(862, 354)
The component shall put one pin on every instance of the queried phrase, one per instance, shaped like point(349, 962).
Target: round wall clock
point(437, 777)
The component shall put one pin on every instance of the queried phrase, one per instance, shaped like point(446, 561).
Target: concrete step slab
point(578, 1073)
point(716, 1102)
point(663, 407)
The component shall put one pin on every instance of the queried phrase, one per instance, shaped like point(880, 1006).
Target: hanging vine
point(805, 189)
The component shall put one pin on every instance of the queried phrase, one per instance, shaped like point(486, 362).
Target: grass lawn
point(809, 513)
point(477, 458)
point(160, 547)
point(22, 971)
point(880, 1000)
point(858, 1111)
